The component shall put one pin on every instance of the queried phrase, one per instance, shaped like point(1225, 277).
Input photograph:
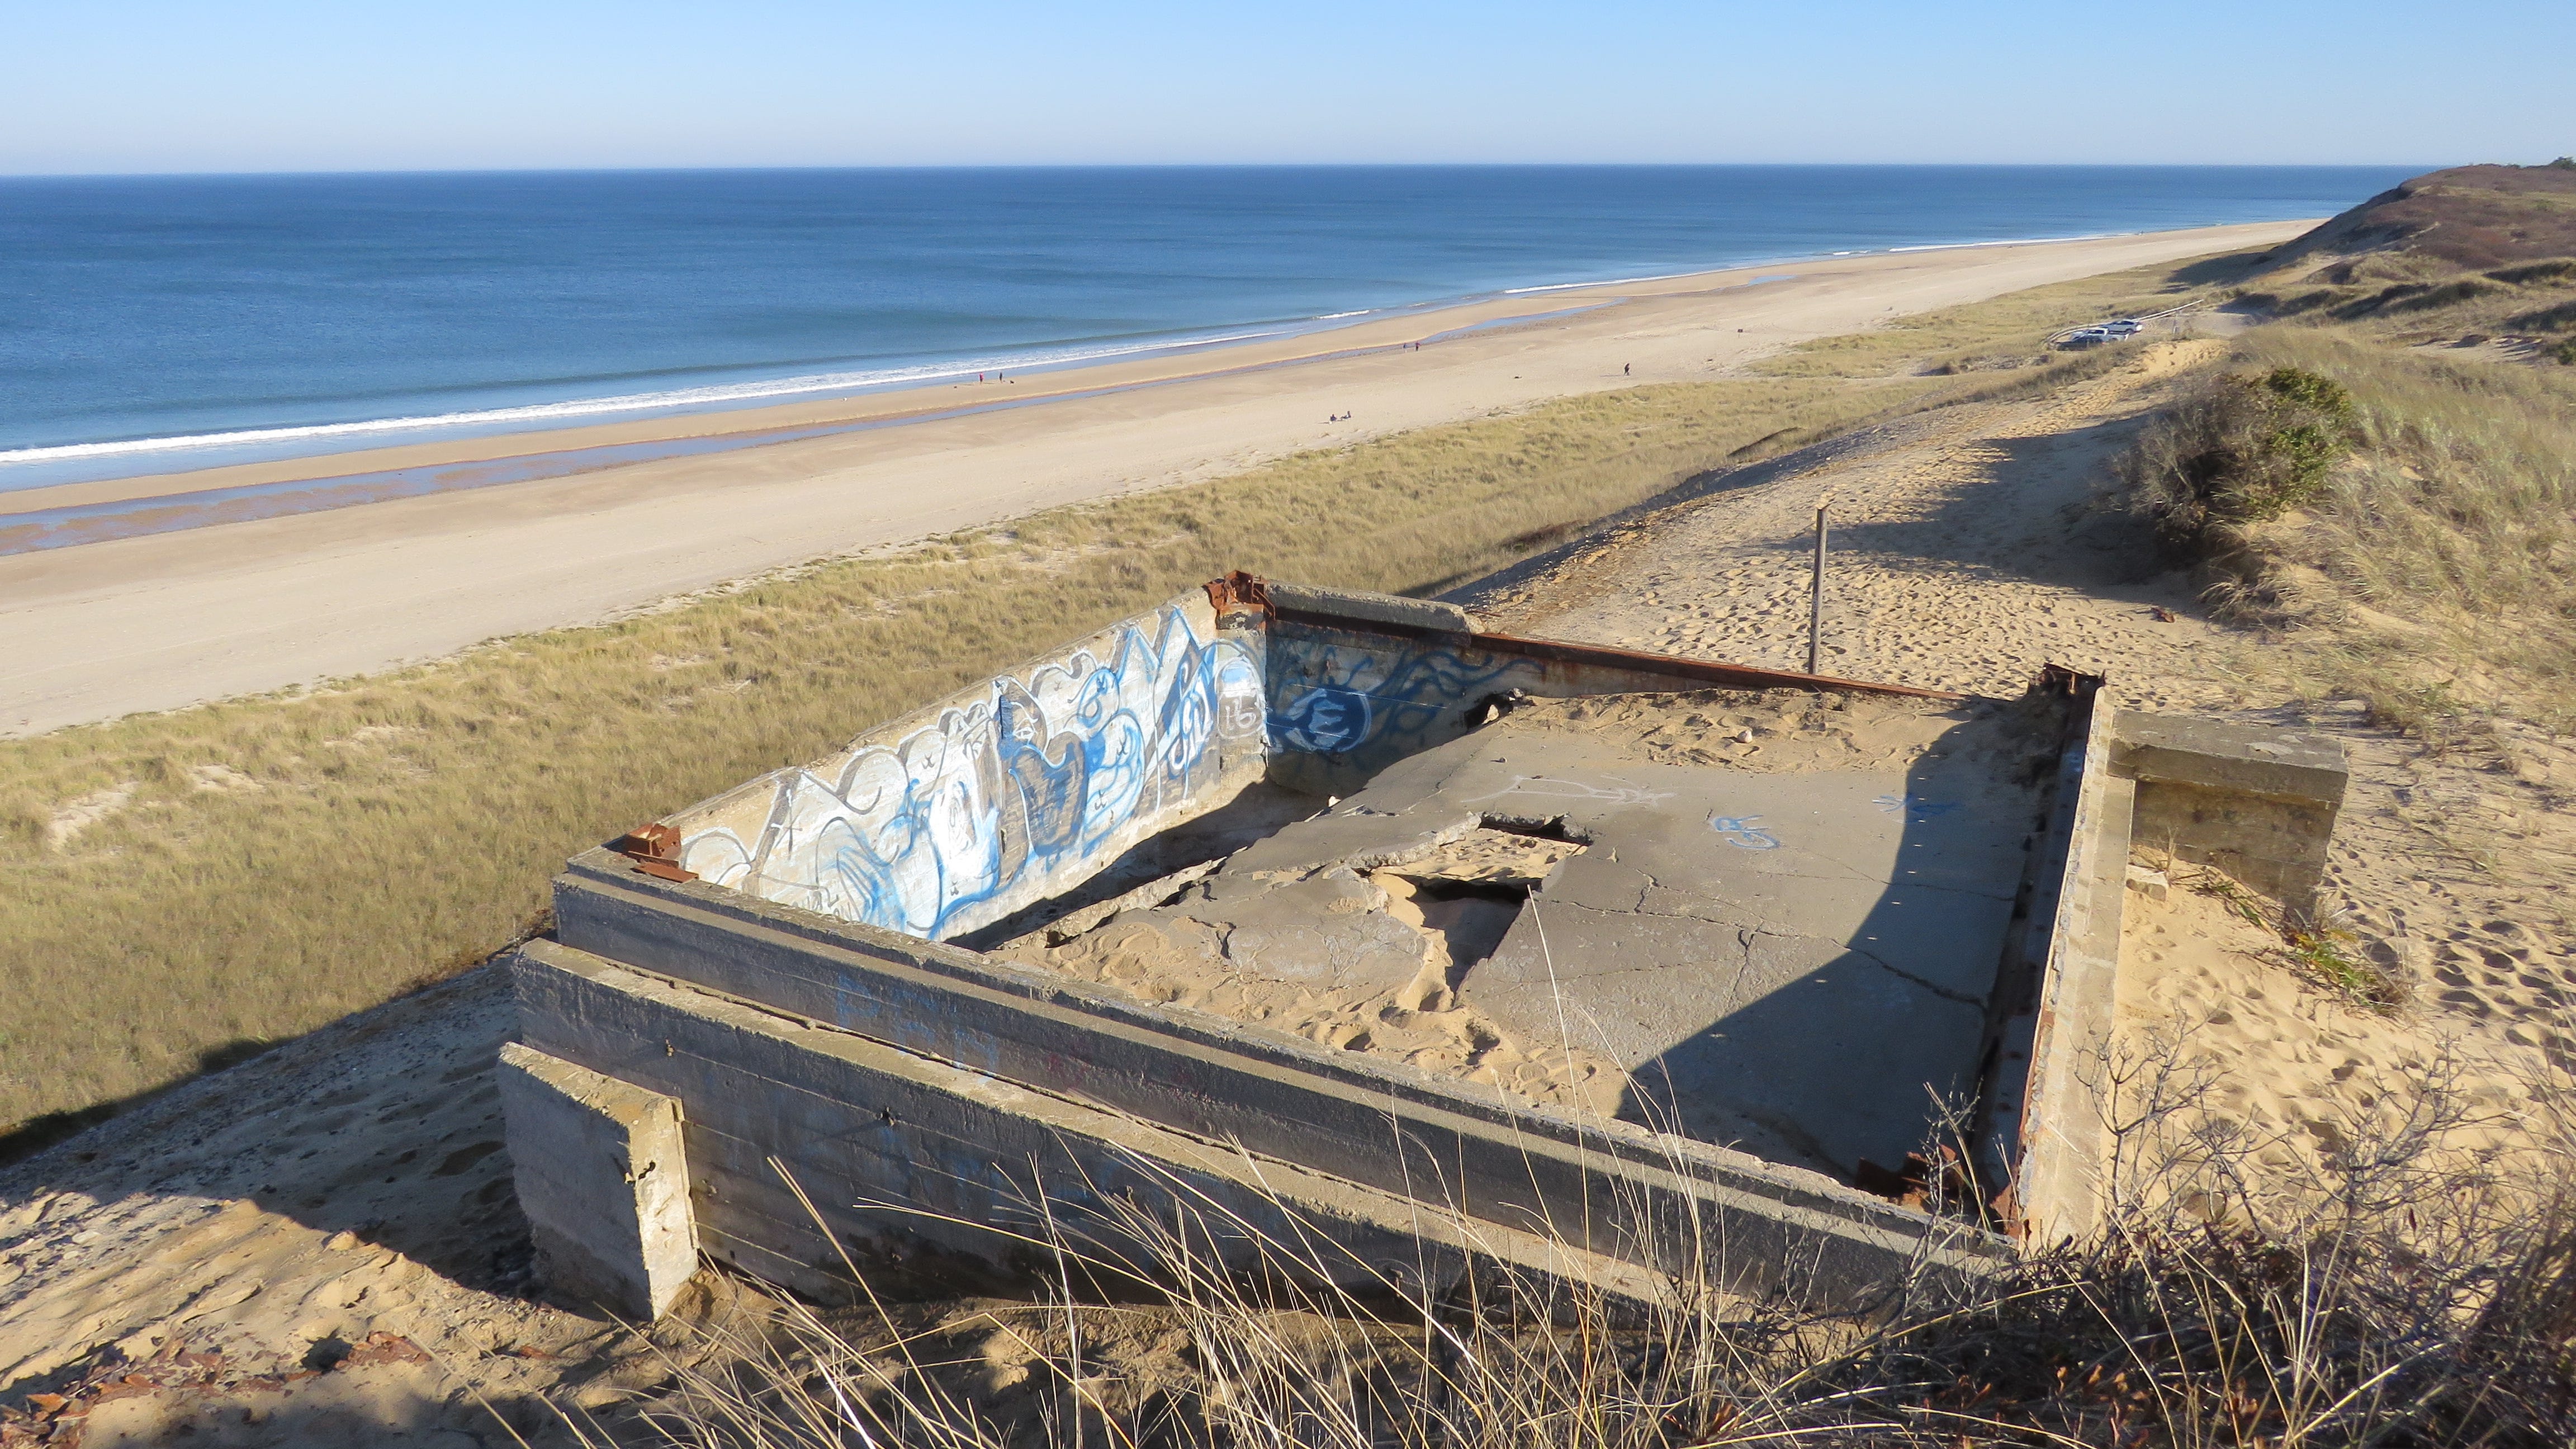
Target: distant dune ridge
point(2472, 216)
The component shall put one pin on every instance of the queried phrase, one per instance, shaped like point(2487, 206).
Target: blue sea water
point(157, 323)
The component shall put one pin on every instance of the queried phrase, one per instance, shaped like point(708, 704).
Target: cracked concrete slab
point(1775, 921)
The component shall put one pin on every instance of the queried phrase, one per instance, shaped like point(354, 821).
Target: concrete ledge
point(1365, 607)
point(604, 1181)
point(1787, 1231)
point(1195, 1071)
point(2056, 1190)
point(2241, 759)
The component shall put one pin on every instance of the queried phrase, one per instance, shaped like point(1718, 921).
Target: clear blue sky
point(115, 85)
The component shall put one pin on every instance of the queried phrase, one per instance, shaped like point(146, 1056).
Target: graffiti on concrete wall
point(1390, 698)
point(1008, 799)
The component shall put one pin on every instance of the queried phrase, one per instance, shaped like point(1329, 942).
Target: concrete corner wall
point(1613, 1189)
point(604, 1180)
point(1007, 793)
point(2259, 804)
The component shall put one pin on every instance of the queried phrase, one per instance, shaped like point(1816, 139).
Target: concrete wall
point(910, 1158)
point(1004, 794)
point(1611, 1187)
point(2045, 1107)
point(2259, 804)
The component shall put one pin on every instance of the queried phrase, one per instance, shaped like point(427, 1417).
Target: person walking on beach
point(1627, 369)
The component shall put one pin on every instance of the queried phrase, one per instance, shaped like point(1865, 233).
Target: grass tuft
point(2319, 952)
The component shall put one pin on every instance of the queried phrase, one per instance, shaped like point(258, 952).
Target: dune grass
point(178, 890)
point(2430, 569)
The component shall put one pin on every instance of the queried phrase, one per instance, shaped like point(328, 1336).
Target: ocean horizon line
point(806, 167)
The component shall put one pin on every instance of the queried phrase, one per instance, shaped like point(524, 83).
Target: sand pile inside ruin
point(1358, 957)
point(1784, 733)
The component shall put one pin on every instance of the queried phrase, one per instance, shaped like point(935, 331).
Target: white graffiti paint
point(1004, 801)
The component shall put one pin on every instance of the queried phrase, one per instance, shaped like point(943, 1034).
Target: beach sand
point(157, 622)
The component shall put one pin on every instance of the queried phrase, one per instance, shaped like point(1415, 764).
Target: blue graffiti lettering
point(1332, 699)
point(1739, 830)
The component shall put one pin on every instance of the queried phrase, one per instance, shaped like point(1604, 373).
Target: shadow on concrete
point(1878, 1045)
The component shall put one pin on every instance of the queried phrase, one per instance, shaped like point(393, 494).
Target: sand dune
point(103, 629)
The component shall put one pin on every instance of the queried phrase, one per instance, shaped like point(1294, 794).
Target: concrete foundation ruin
point(1304, 916)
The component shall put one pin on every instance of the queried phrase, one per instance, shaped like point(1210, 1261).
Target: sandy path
point(104, 629)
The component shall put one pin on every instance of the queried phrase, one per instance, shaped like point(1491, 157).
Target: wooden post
point(1816, 599)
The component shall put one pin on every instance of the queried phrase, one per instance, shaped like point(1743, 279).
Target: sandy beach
point(101, 629)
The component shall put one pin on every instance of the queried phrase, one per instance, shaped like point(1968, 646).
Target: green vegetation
point(182, 888)
point(2374, 477)
point(2244, 449)
point(2429, 569)
point(2315, 950)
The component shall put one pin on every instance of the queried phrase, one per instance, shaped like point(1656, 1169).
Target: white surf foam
point(579, 409)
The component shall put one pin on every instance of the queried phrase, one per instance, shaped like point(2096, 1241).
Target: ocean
point(151, 324)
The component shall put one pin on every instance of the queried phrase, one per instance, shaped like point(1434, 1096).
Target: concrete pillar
point(603, 1181)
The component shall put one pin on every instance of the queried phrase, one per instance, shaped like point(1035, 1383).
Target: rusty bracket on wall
point(2057, 679)
point(655, 849)
point(1239, 594)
